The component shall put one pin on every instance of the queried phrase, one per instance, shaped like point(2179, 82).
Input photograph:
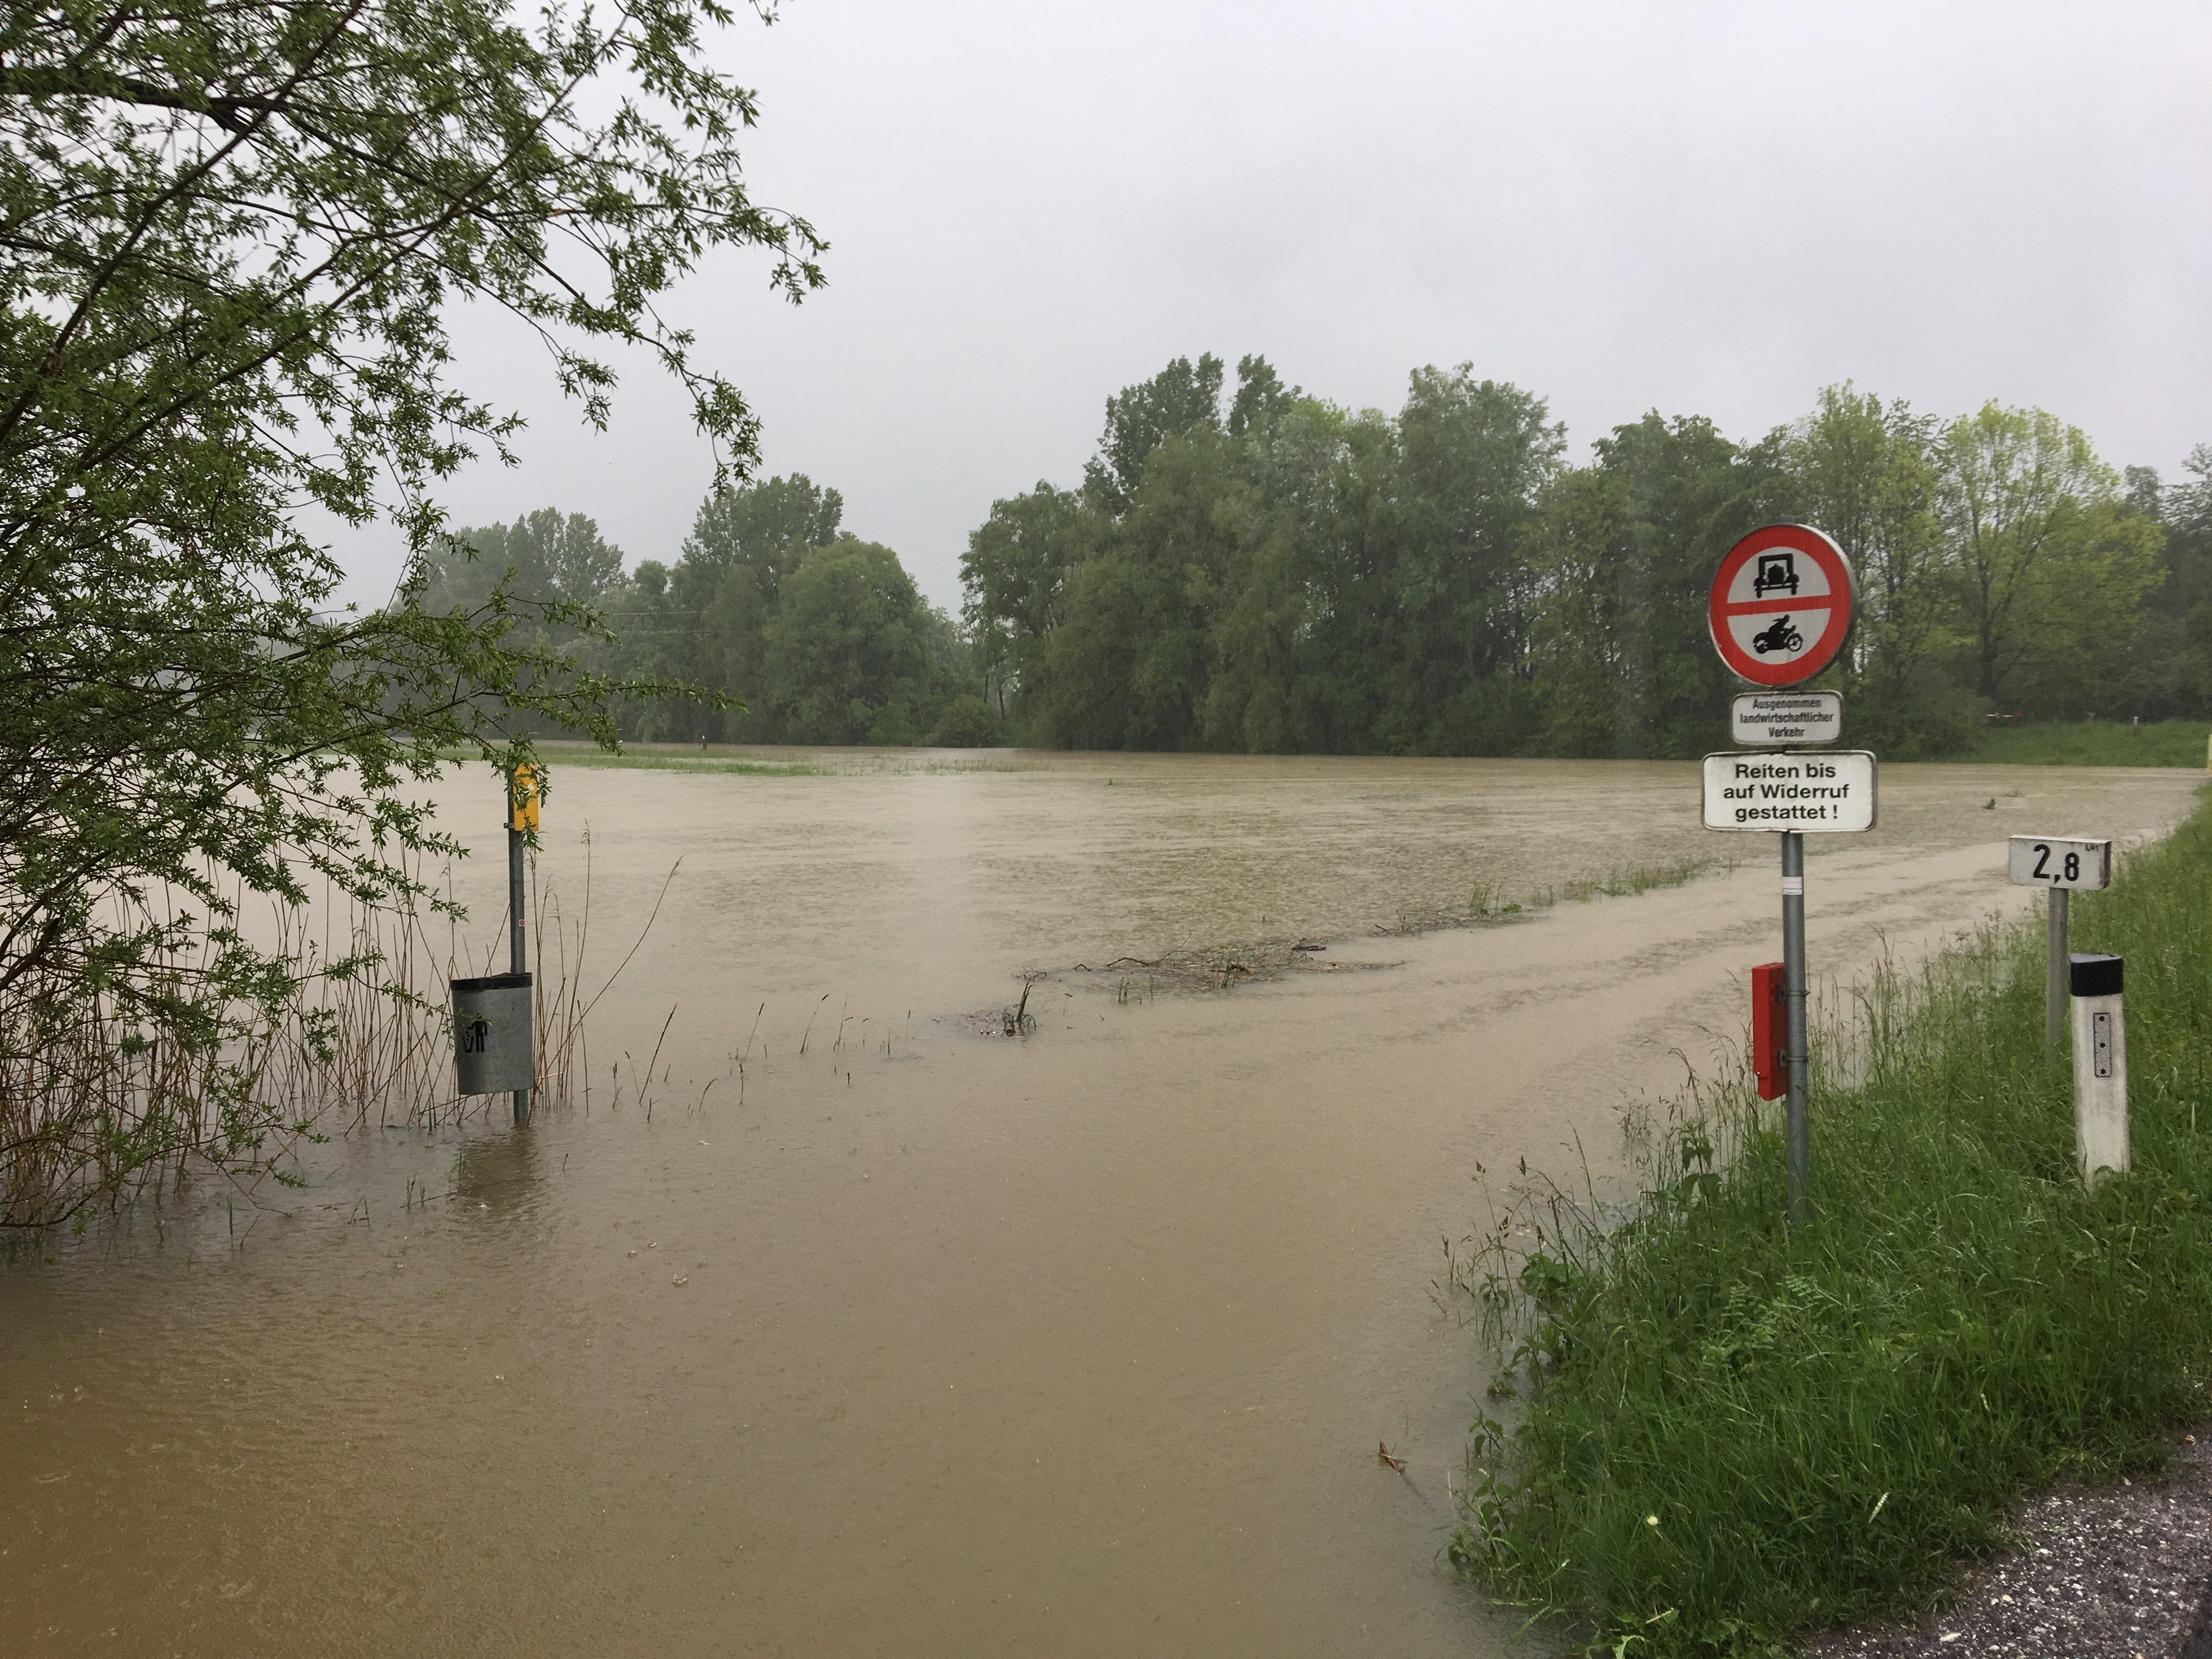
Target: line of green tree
point(812, 634)
point(1269, 572)
point(1259, 570)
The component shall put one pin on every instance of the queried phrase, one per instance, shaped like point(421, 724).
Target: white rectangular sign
point(2059, 861)
point(1788, 718)
point(1825, 793)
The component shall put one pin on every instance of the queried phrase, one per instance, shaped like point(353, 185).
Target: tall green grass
point(2093, 743)
point(1730, 1433)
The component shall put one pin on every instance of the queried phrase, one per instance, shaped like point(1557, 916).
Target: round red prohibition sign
point(1781, 605)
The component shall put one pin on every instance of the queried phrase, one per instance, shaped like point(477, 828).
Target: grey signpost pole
point(515, 958)
point(1793, 985)
point(1779, 612)
point(2054, 979)
point(2057, 863)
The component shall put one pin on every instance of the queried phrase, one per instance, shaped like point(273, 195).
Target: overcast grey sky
point(1700, 209)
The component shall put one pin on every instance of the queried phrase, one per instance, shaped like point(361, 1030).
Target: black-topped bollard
point(2100, 1063)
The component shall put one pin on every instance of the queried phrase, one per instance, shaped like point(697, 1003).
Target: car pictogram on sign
point(1781, 605)
point(1776, 571)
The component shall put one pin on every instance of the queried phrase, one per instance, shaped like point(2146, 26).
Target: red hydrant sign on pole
point(1770, 1025)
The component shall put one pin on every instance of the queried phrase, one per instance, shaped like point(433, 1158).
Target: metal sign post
point(2059, 864)
point(1833, 792)
point(521, 817)
point(1780, 611)
point(2054, 975)
point(1797, 1134)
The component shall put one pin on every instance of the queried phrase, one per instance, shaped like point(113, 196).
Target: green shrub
point(967, 722)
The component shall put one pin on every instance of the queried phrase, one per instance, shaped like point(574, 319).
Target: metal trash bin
point(492, 1034)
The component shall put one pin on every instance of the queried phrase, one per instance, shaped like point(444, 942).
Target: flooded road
point(907, 1339)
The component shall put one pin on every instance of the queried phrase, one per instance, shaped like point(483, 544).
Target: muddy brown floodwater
point(912, 1340)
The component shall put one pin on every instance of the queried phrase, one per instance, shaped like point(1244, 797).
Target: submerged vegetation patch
point(1721, 1433)
point(1223, 968)
point(1489, 902)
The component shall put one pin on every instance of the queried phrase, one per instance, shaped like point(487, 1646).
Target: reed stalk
point(98, 1103)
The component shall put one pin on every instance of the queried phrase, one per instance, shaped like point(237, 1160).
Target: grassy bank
point(650, 757)
point(2093, 743)
point(2089, 743)
point(1729, 1434)
point(764, 761)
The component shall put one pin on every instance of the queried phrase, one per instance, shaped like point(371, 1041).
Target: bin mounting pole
point(516, 954)
point(1793, 979)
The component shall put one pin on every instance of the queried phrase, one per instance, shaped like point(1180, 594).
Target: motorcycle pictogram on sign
point(1780, 637)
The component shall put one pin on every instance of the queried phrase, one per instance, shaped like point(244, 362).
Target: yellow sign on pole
point(522, 798)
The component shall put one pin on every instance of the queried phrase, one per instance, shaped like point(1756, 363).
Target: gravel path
point(2104, 1572)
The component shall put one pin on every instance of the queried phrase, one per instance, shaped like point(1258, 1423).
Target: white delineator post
point(2100, 1064)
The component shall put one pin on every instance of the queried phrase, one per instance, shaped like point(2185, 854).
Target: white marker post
point(2061, 864)
point(1780, 611)
point(2100, 1065)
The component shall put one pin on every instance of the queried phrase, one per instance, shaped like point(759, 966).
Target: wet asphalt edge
point(2198, 1643)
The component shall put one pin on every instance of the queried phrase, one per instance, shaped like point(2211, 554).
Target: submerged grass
point(1626, 880)
point(1224, 968)
point(1732, 1432)
point(1488, 903)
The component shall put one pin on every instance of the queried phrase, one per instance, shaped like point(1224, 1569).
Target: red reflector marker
point(1770, 1031)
